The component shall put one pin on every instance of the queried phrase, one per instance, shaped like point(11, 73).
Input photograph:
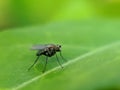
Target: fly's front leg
point(62, 56)
point(59, 61)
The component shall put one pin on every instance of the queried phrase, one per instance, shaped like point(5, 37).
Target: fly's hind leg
point(45, 64)
point(34, 63)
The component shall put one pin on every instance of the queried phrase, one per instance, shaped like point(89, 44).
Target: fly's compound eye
point(59, 46)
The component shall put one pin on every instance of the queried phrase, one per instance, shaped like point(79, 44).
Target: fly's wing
point(41, 47)
point(38, 47)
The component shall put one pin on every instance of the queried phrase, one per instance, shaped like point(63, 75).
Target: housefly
point(47, 50)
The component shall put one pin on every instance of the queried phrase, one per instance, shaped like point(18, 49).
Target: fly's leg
point(62, 56)
point(59, 61)
point(45, 64)
point(34, 63)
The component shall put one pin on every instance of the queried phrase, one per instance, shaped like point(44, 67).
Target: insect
point(47, 50)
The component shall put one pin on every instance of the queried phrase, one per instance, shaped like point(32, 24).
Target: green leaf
point(92, 49)
point(91, 71)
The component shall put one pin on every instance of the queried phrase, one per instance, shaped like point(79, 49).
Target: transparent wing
point(40, 47)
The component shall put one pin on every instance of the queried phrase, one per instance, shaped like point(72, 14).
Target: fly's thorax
point(49, 53)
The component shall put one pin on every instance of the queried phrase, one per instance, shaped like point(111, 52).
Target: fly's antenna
point(33, 63)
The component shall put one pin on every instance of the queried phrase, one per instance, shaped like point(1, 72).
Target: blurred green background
point(88, 30)
point(14, 13)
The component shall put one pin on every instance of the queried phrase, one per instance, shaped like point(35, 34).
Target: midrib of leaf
point(68, 63)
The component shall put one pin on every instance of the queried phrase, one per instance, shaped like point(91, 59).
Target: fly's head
point(57, 48)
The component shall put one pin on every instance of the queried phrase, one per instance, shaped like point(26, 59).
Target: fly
point(47, 50)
